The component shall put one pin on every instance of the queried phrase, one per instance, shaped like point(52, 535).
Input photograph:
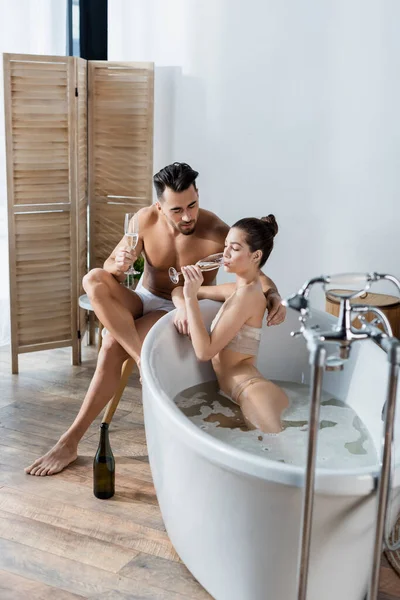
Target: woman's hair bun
point(270, 219)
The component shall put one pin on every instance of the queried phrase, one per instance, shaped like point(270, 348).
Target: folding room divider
point(79, 135)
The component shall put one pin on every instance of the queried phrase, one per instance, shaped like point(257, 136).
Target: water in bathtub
point(343, 439)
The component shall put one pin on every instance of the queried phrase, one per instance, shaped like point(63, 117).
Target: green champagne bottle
point(104, 467)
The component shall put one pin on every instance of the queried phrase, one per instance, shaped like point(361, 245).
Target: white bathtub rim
point(355, 482)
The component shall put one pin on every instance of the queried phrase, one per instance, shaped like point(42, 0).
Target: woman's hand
point(181, 321)
point(193, 278)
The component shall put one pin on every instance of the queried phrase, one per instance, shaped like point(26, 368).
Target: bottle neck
point(104, 439)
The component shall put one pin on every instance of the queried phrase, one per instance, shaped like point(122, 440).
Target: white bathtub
point(233, 517)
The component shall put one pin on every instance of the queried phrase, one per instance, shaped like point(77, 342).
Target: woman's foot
point(56, 459)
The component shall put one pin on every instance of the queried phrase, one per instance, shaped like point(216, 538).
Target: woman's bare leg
point(262, 403)
point(101, 389)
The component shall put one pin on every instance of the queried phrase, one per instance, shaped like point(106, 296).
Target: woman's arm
point(206, 346)
point(216, 292)
point(177, 297)
point(209, 292)
point(180, 319)
point(206, 292)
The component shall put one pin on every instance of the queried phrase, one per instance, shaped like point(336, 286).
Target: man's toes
point(53, 470)
point(31, 467)
point(35, 470)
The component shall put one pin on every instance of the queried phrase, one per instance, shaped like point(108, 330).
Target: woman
point(235, 335)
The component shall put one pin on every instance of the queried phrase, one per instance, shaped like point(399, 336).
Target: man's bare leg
point(102, 388)
point(112, 304)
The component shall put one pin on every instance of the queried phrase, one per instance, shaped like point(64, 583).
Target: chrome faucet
point(343, 335)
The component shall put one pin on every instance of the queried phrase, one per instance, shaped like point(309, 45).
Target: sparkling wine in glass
point(209, 263)
point(132, 234)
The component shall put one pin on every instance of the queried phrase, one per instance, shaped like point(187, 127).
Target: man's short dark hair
point(178, 177)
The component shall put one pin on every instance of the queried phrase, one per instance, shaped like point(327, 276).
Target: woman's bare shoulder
point(253, 290)
point(252, 297)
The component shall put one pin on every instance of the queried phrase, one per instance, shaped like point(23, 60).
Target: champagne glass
point(209, 263)
point(132, 233)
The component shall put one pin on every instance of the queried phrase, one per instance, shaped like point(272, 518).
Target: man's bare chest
point(162, 253)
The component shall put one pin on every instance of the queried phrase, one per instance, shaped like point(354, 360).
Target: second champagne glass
point(131, 229)
point(209, 263)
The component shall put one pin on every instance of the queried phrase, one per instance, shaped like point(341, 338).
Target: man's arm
point(276, 311)
point(267, 284)
point(122, 257)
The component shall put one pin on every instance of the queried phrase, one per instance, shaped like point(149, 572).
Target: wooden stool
point(389, 305)
point(111, 407)
point(126, 370)
point(84, 303)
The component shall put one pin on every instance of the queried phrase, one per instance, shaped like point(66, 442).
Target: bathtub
point(233, 517)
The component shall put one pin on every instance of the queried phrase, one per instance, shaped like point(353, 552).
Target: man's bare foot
point(56, 459)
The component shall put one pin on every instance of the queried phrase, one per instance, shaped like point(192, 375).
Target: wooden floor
point(57, 541)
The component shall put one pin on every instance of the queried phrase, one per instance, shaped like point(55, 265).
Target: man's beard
point(185, 231)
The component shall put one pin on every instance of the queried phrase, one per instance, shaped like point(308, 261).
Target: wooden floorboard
point(15, 587)
point(57, 541)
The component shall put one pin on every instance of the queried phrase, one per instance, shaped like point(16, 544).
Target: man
point(172, 232)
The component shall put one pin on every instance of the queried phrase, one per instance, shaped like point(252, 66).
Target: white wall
point(284, 107)
point(26, 27)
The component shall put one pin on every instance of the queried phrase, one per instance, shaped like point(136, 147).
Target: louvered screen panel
point(43, 298)
point(120, 149)
point(40, 114)
point(81, 180)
